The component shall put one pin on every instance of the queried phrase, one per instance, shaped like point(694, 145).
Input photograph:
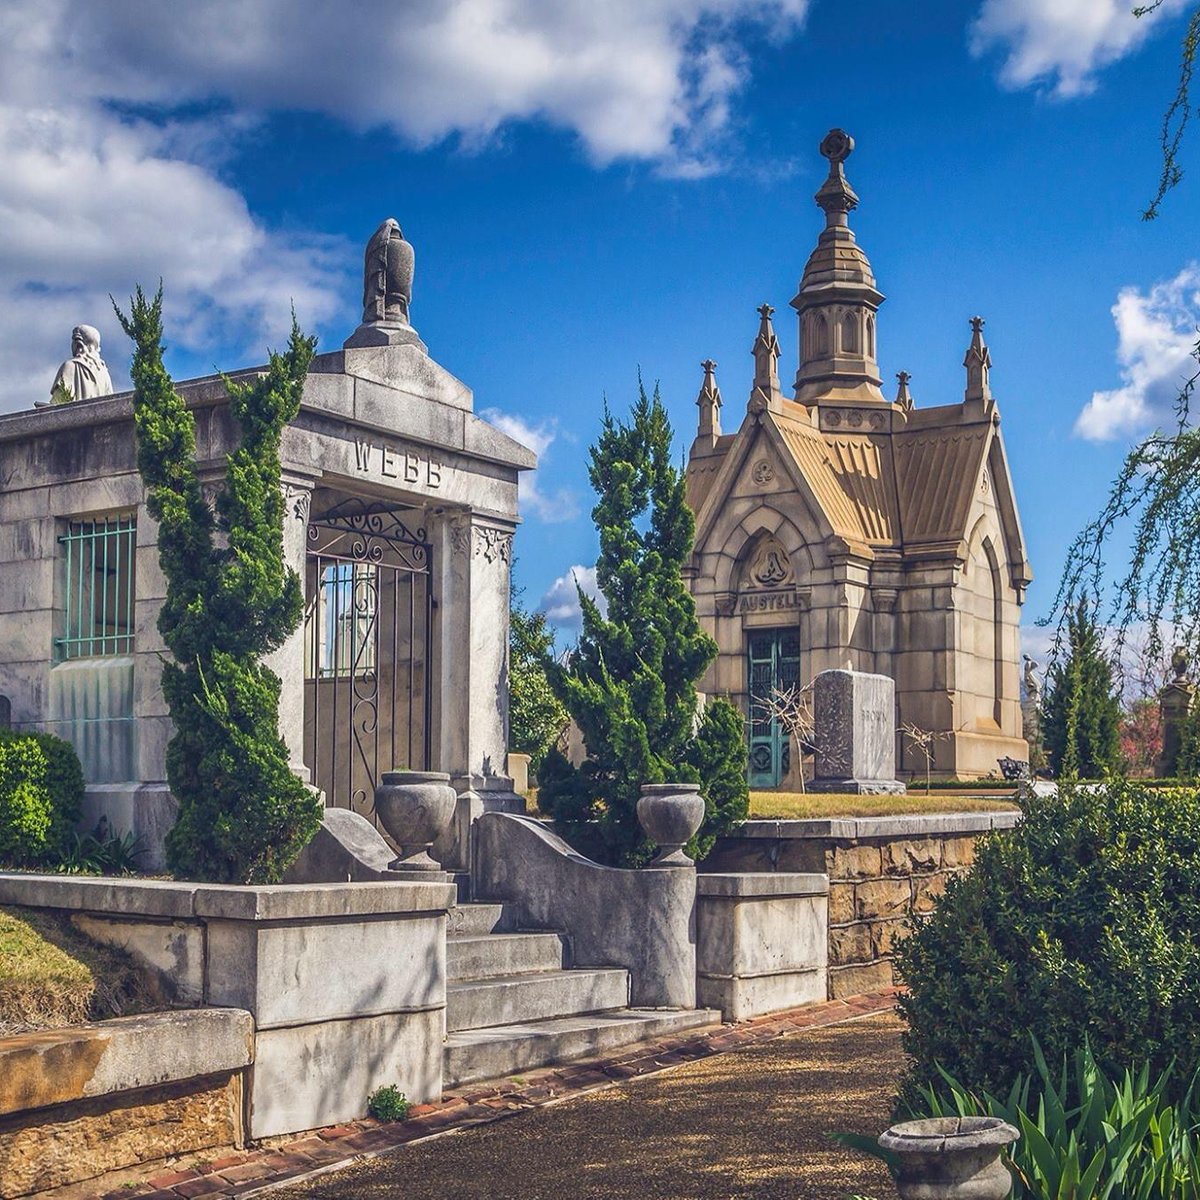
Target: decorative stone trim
point(493, 543)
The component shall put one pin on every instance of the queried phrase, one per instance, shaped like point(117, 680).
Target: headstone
point(854, 715)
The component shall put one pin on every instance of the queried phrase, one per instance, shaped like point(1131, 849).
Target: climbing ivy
point(243, 815)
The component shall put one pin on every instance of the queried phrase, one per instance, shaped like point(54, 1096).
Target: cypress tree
point(1081, 715)
point(536, 716)
point(630, 683)
point(243, 815)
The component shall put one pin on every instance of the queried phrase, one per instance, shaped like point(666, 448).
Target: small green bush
point(41, 791)
point(1079, 923)
point(388, 1104)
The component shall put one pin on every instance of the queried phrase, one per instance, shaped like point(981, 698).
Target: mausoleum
point(401, 507)
point(837, 529)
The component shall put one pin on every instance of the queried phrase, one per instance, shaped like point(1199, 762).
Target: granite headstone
point(854, 715)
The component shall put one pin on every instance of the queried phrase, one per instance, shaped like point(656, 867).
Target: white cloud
point(116, 119)
point(1156, 335)
point(551, 507)
point(561, 601)
point(1062, 42)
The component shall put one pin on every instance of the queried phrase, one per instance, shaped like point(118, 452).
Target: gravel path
point(749, 1123)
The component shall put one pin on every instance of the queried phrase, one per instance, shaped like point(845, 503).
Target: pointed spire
point(837, 299)
point(766, 392)
point(903, 397)
point(978, 363)
point(709, 403)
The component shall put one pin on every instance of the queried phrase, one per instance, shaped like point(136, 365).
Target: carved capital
point(459, 531)
point(493, 544)
point(297, 501)
point(726, 603)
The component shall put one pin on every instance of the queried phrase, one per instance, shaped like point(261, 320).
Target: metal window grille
point(346, 601)
point(98, 559)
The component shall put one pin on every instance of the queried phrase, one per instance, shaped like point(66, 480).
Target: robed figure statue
point(387, 277)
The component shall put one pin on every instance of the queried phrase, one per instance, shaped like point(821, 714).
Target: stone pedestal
point(1175, 700)
point(855, 718)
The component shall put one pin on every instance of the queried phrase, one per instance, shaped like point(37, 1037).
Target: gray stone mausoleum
point(836, 529)
point(401, 507)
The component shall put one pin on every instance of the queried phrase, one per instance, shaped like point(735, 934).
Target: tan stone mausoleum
point(838, 529)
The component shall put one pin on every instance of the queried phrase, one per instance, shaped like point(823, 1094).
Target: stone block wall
point(882, 871)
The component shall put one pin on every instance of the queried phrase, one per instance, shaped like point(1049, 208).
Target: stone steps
point(488, 955)
point(506, 1049)
point(515, 999)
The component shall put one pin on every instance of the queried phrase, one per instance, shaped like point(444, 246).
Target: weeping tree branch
point(1179, 111)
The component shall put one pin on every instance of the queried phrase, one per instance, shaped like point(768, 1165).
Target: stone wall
point(78, 1102)
point(882, 871)
point(346, 983)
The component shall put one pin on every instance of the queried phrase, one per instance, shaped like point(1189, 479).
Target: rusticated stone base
point(69, 1143)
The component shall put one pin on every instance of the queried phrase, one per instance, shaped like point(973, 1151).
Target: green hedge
point(41, 793)
point(1080, 922)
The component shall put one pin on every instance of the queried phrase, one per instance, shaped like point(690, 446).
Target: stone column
point(471, 707)
point(288, 661)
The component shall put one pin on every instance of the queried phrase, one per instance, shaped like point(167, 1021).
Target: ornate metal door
point(368, 619)
point(774, 665)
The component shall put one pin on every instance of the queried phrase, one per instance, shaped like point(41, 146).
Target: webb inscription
point(406, 465)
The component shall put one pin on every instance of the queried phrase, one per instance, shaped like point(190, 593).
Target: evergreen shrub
point(630, 682)
point(41, 792)
point(1078, 923)
point(231, 599)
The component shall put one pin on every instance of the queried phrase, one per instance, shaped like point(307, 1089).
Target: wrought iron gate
point(368, 618)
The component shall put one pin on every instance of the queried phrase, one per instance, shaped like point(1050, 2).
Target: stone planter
point(951, 1158)
point(670, 814)
point(415, 808)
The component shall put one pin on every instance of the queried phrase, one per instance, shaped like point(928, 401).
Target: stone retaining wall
point(881, 871)
point(346, 983)
point(78, 1102)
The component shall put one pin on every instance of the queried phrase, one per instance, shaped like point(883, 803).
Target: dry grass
point(51, 975)
point(798, 805)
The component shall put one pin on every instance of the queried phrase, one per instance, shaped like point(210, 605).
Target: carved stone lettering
point(387, 461)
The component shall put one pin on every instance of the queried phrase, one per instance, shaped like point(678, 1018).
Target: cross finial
point(978, 363)
point(765, 311)
point(977, 324)
point(903, 398)
point(709, 366)
point(709, 403)
point(837, 146)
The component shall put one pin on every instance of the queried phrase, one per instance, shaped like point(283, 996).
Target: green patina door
point(774, 665)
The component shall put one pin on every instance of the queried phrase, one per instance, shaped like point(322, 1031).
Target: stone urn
point(951, 1158)
point(670, 814)
point(415, 808)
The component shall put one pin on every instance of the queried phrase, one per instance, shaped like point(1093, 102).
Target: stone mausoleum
point(838, 529)
point(401, 507)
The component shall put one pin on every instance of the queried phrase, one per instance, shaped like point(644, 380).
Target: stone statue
point(1180, 661)
point(387, 277)
point(84, 375)
point(1033, 689)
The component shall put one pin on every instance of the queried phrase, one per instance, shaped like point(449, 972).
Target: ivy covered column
point(288, 661)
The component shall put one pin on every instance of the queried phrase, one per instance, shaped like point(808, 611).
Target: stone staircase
point(514, 1001)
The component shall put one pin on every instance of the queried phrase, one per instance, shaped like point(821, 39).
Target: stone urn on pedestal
point(415, 808)
point(670, 814)
point(951, 1158)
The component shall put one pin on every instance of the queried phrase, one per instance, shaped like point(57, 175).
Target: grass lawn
point(797, 805)
point(51, 975)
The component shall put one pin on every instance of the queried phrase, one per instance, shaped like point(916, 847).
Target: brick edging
point(320, 1151)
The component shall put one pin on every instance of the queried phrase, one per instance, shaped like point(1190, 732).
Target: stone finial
point(766, 392)
point(836, 196)
point(84, 375)
point(709, 403)
point(903, 396)
point(978, 363)
point(387, 290)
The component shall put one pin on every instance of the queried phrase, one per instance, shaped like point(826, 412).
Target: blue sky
point(594, 188)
